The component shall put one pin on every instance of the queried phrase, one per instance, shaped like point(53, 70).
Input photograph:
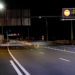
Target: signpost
point(68, 14)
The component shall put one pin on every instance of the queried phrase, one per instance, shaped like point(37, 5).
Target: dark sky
point(38, 3)
point(45, 7)
point(56, 28)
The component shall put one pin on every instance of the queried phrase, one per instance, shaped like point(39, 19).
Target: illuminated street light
point(2, 6)
point(2, 9)
point(40, 17)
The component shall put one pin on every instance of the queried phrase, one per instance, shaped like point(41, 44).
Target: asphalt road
point(41, 61)
point(5, 65)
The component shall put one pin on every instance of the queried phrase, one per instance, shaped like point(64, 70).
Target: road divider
point(17, 62)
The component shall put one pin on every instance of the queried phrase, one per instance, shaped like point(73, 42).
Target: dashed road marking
point(41, 53)
point(64, 59)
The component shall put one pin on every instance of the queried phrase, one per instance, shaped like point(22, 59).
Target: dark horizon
point(56, 31)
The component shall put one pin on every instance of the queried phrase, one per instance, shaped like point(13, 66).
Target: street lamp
point(46, 27)
point(2, 6)
point(46, 22)
point(2, 9)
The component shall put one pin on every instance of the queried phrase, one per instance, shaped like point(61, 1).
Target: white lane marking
point(70, 51)
point(54, 48)
point(60, 50)
point(64, 59)
point(17, 62)
point(41, 53)
point(15, 67)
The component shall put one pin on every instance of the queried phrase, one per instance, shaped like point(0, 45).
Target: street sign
point(68, 13)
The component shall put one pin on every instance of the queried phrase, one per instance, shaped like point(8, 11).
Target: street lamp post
point(46, 24)
point(46, 27)
point(71, 31)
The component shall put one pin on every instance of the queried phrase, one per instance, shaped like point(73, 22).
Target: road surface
point(53, 60)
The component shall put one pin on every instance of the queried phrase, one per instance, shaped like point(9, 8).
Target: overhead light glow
point(67, 12)
point(2, 6)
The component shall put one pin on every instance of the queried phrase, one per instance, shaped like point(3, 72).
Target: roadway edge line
point(60, 50)
point(15, 67)
point(17, 62)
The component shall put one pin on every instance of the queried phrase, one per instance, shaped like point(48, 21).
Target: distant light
point(14, 34)
point(67, 12)
point(18, 34)
point(40, 17)
point(2, 6)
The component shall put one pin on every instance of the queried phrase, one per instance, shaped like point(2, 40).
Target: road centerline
point(17, 62)
point(15, 67)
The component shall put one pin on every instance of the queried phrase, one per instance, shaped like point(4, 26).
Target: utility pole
point(46, 27)
point(71, 31)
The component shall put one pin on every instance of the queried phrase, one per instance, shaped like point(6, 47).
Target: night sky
point(56, 28)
